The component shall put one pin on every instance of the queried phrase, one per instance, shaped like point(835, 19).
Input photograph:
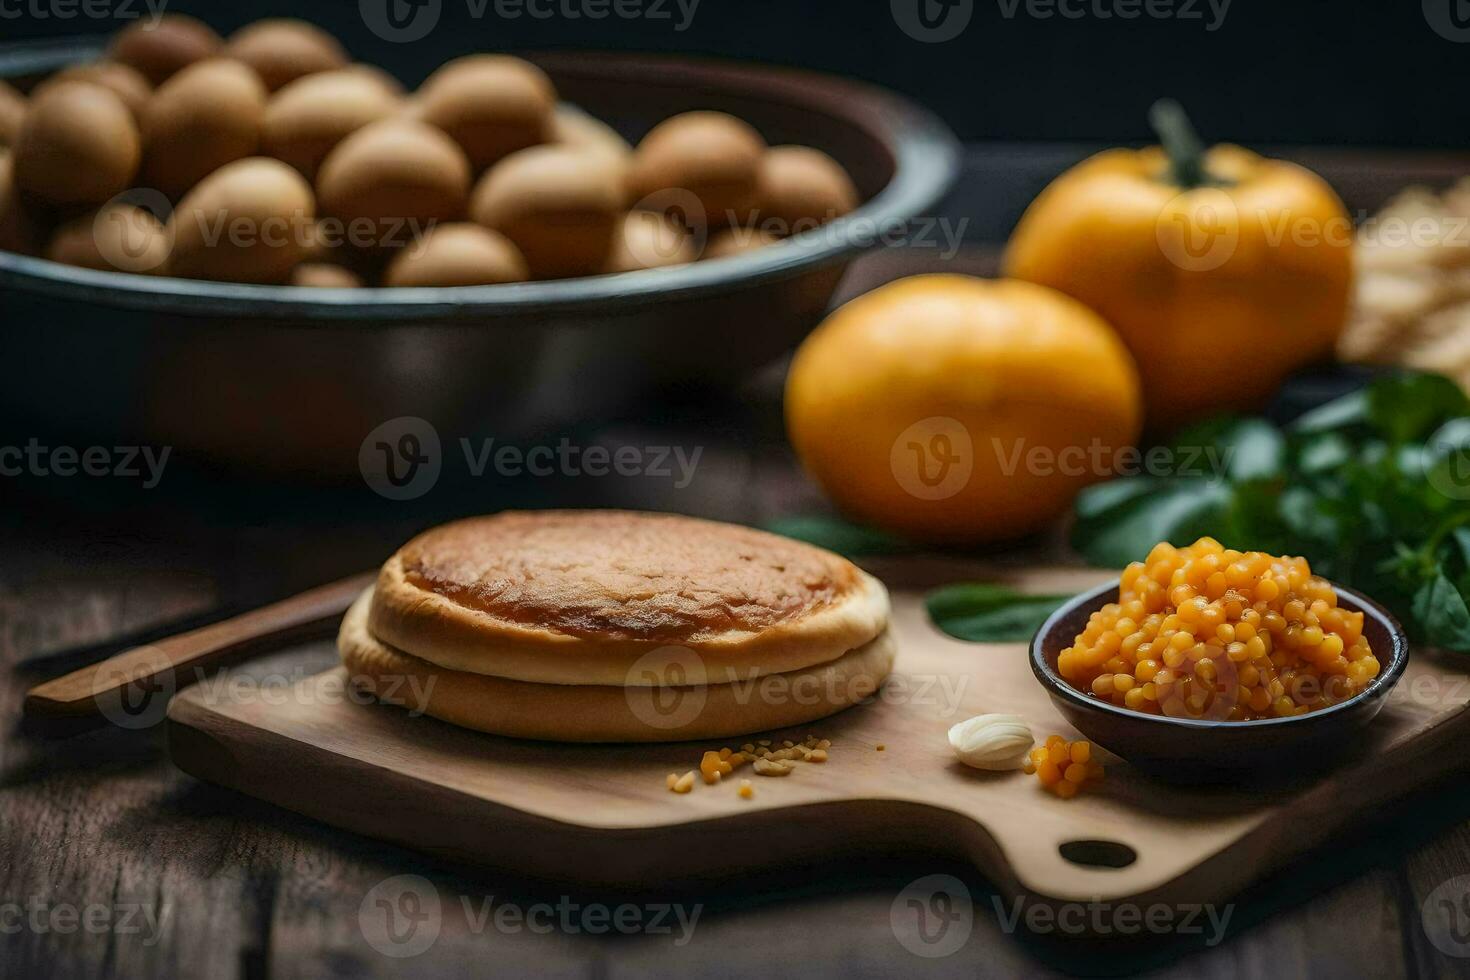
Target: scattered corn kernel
point(1063, 767)
point(1209, 632)
point(882, 747)
point(716, 764)
point(746, 789)
point(712, 767)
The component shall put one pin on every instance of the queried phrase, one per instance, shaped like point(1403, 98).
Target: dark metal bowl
point(1200, 751)
point(288, 381)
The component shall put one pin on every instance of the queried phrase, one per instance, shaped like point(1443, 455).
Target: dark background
point(1354, 72)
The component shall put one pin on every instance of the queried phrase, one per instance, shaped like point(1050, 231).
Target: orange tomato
point(1220, 288)
point(960, 410)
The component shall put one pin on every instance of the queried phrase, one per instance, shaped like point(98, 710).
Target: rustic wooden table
point(112, 863)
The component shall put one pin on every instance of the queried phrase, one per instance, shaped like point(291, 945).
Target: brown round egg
point(283, 49)
point(459, 254)
point(737, 241)
point(649, 240)
point(204, 117)
point(490, 104)
point(78, 144)
point(12, 110)
point(126, 82)
point(711, 155)
point(116, 237)
point(22, 227)
point(574, 127)
point(160, 48)
point(249, 221)
point(324, 275)
point(389, 83)
point(561, 206)
point(310, 116)
point(393, 173)
point(799, 188)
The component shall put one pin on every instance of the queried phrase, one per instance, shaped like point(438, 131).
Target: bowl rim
point(926, 162)
point(1057, 686)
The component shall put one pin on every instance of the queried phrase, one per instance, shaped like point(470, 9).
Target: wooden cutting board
point(601, 815)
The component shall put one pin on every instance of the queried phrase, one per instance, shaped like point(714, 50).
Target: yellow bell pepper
point(1222, 270)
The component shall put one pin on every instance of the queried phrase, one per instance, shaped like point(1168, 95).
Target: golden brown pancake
point(577, 597)
point(602, 713)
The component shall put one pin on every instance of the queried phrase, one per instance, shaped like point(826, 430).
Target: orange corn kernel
point(1064, 767)
point(1206, 632)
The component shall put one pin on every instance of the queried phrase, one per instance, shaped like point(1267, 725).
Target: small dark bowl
point(1191, 750)
point(288, 381)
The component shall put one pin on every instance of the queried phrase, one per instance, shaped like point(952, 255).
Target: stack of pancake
point(613, 626)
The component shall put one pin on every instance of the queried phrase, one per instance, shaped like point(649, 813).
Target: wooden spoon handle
point(163, 665)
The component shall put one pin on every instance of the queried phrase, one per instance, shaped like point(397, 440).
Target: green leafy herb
point(837, 535)
point(986, 613)
point(1373, 489)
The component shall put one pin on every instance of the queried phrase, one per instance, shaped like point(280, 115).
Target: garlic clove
point(992, 741)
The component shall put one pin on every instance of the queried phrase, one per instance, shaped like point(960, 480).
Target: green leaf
point(1443, 619)
point(1340, 413)
point(1409, 407)
point(1460, 550)
point(837, 535)
point(1305, 515)
point(1447, 460)
point(1323, 452)
point(1461, 537)
point(1177, 511)
point(1241, 449)
point(983, 612)
point(1101, 498)
point(1256, 451)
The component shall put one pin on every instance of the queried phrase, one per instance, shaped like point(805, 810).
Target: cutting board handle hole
point(1098, 853)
